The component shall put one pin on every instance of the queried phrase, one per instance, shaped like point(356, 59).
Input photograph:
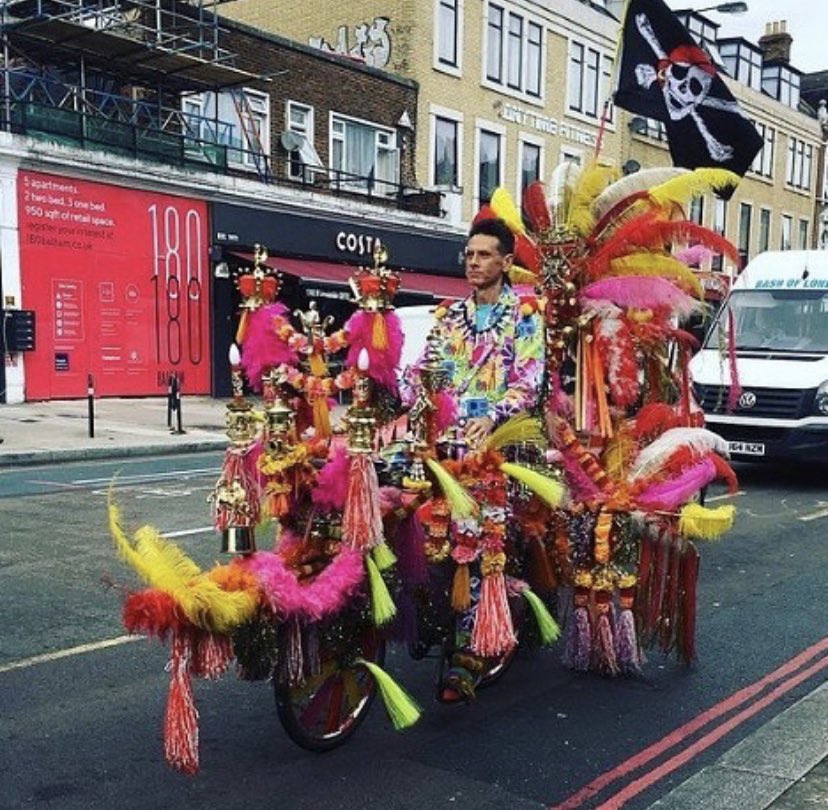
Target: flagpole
point(608, 100)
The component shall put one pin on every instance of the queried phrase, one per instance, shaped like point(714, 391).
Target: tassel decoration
point(603, 642)
point(181, 718)
point(362, 519)
point(627, 650)
point(688, 576)
point(211, 655)
point(547, 626)
point(462, 504)
point(402, 709)
point(493, 633)
point(383, 556)
point(578, 652)
point(549, 490)
point(383, 608)
point(461, 589)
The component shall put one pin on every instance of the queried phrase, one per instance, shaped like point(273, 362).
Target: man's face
point(485, 264)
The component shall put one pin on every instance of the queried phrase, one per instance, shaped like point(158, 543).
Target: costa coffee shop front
point(316, 255)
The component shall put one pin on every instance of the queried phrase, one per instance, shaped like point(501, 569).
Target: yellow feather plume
point(653, 264)
point(619, 453)
point(165, 567)
point(680, 190)
point(520, 429)
point(547, 489)
point(504, 207)
point(593, 180)
point(520, 275)
point(461, 503)
point(700, 523)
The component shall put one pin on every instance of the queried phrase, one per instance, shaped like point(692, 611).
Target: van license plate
point(746, 448)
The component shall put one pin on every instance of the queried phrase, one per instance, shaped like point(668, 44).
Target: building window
point(494, 45)
point(489, 164)
point(448, 33)
point(446, 155)
point(745, 216)
point(697, 210)
point(763, 162)
point(530, 165)
point(785, 235)
point(514, 51)
point(192, 113)
point(301, 151)
point(720, 226)
point(764, 229)
point(782, 83)
point(803, 234)
point(364, 156)
point(743, 62)
point(799, 164)
point(590, 73)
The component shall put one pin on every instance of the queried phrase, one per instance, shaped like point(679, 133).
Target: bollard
point(177, 405)
point(170, 400)
point(90, 402)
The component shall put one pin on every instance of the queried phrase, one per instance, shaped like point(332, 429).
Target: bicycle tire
point(325, 711)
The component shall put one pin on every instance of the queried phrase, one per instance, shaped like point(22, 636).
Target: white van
point(779, 308)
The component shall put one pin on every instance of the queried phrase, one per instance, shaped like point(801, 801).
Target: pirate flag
point(665, 75)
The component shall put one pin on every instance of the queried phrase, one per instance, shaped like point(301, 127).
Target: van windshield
point(782, 320)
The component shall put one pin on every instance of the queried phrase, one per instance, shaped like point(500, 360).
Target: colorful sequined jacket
point(495, 371)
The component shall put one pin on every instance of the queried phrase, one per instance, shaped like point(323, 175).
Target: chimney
point(776, 42)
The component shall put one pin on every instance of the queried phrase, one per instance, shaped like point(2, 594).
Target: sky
point(806, 23)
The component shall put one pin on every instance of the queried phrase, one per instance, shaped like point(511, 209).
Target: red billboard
point(119, 283)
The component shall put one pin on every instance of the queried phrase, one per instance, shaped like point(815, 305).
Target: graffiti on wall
point(371, 42)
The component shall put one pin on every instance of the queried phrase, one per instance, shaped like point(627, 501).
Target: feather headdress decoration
point(650, 459)
point(654, 419)
point(535, 207)
point(641, 292)
point(592, 181)
point(560, 190)
point(383, 360)
point(263, 347)
point(504, 208)
point(633, 185)
point(651, 231)
point(694, 255)
point(653, 264)
point(681, 189)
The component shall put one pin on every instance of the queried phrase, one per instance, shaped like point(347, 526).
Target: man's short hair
point(493, 226)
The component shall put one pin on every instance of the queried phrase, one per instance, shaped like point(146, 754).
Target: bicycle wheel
point(323, 712)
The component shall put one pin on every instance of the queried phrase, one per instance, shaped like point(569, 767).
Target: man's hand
point(478, 429)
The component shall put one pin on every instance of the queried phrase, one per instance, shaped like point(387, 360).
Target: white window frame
point(435, 112)
point(799, 164)
point(532, 140)
point(197, 103)
point(437, 63)
point(764, 160)
point(307, 154)
point(502, 83)
point(383, 185)
point(495, 129)
point(603, 83)
point(259, 105)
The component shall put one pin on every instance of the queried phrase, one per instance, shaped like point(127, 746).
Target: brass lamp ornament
point(361, 420)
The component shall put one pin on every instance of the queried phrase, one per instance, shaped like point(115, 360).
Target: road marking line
point(679, 736)
point(820, 513)
point(144, 477)
point(725, 496)
point(703, 743)
point(82, 648)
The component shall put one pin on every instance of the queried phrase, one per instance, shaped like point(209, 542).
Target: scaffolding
point(115, 74)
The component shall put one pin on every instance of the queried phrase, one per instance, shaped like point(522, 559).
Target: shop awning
point(311, 270)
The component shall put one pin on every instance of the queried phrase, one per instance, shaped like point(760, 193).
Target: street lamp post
point(725, 8)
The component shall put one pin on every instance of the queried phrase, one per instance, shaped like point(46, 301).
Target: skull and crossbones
point(685, 77)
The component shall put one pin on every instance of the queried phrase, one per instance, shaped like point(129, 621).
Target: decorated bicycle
point(345, 538)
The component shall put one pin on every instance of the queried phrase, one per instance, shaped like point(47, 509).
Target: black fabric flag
point(665, 75)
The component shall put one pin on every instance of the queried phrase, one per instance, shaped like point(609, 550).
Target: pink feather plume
point(695, 255)
point(641, 292)
point(446, 414)
point(262, 348)
point(332, 483)
point(671, 494)
point(383, 363)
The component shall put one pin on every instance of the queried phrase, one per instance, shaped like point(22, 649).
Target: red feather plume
point(535, 207)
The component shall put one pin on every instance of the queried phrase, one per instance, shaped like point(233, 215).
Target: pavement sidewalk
point(783, 765)
point(44, 432)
